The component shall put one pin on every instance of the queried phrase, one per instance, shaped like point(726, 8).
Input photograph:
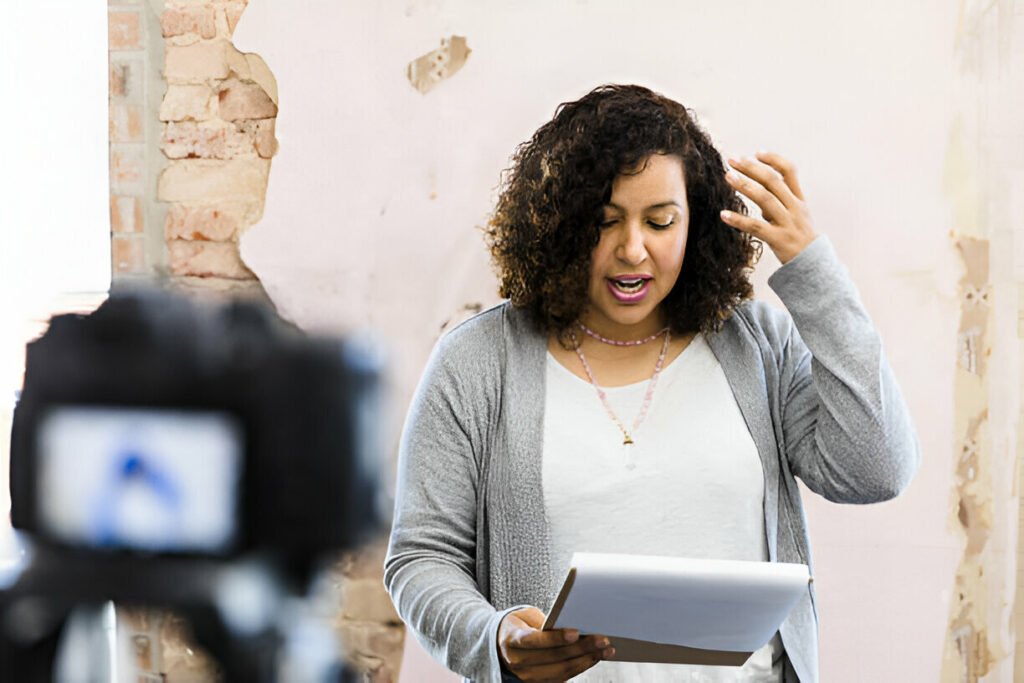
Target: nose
point(631, 248)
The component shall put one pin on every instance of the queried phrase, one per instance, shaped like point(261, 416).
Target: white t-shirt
point(691, 485)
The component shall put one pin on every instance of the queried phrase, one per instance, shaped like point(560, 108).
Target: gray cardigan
point(469, 540)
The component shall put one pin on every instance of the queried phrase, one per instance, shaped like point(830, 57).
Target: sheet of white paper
point(707, 604)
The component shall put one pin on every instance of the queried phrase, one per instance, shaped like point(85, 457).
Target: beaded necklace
point(616, 342)
point(627, 435)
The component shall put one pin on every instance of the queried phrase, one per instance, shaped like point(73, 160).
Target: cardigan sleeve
point(429, 570)
point(847, 432)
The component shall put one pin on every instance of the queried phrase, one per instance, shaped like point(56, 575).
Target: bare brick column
point(217, 119)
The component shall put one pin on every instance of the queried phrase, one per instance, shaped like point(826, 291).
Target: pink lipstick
point(629, 289)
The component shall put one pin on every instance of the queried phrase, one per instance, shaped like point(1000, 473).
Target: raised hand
point(770, 182)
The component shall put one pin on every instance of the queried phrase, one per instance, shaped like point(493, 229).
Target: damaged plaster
point(981, 156)
point(427, 71)
point(969, 654)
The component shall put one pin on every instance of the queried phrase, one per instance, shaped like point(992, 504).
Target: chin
point(630, 317)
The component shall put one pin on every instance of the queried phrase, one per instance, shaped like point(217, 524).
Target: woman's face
point(638, 258)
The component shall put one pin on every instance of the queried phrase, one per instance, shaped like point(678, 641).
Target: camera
point(204, 457)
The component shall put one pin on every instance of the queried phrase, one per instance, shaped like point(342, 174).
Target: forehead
point(659, 177)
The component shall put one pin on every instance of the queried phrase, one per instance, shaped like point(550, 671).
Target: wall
point(390, 185)
point(136, 58)
point(191, 138)
point(217, 132)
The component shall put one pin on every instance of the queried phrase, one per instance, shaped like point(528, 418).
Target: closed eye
point(660, 226)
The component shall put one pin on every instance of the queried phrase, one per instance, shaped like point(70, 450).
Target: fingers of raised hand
point(786, 169)
point(765, 186)
point(755, 226)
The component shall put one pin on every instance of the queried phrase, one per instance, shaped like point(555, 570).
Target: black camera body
point(162, 448)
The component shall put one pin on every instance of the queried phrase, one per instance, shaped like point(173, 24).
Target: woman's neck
point(610, 331)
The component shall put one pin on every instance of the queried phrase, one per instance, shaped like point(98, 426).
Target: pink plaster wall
point(377, 191)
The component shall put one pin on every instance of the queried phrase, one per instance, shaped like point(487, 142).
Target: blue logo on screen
point(137, 478)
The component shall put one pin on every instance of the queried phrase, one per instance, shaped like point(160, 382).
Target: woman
point(630, 397)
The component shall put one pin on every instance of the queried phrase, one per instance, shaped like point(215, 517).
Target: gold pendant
point(628, 441)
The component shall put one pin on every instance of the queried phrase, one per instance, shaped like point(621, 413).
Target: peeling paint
point(968, 653)
point(427, 71)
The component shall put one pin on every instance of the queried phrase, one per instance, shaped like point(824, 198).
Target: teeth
point(629, 285)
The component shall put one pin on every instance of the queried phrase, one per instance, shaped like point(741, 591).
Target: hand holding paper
point(556, 654)
point(678, 610)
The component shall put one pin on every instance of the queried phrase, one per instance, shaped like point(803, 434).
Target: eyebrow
point(660, 205)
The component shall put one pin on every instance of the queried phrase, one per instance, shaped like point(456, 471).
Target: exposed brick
point(217, 223)
point(206, 259)
point(190, 20)
point(232, 13)
point(136, 619)
point(213, 140)
point(201, 180)
point(126, 123)
point(206, 287)
point(196, 63)
point(366, 645)
point(126, 78)
point(117, 85)
point(128, 255)
point(366, 562)
point(237, 99)
point(189, 140)
point(261, 132)
point(127, 164)
point(183, 660)
point(143, 649)
point(386, 673)
point(124, 30)
point(125, 214)
point(260, 73)
point(187, 102)
point(238, 65)
point(366, 600)
point(192, 3)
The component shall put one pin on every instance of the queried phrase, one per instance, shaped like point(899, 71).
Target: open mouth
point(630, 284)
point(631, 288)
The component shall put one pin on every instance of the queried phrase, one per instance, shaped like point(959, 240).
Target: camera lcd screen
point(149, 480)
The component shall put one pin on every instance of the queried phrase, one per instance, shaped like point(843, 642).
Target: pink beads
point(615, 342)
point(627, 438)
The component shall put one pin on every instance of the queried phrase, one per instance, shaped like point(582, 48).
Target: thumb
point(532, 616)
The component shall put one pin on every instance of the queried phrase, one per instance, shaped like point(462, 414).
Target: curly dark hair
point(547, 219)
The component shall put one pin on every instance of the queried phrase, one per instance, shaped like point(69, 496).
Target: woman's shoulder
point(486, 336)
point(762, 319)
point(480, 330)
